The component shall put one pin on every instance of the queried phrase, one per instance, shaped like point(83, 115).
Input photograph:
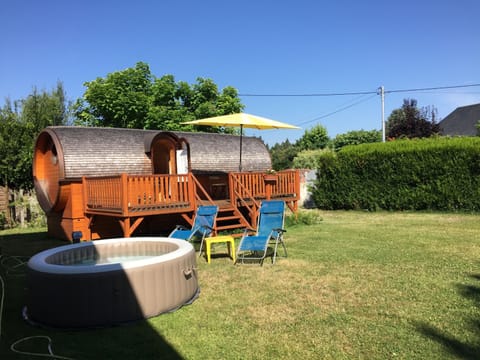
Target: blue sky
point(258, 47)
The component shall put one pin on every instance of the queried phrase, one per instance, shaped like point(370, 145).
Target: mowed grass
point(355, 285)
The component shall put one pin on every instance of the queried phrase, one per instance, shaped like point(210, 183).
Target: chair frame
point(203, 229)
point(275, 236)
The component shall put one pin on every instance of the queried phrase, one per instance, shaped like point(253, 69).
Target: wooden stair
point(230, 219)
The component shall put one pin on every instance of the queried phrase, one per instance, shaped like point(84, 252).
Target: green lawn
point(357, 285)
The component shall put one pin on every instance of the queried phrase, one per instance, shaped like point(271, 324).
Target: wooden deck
point(130, 198)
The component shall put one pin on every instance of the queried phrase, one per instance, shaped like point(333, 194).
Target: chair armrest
point(181, 227)
point(280, 230)
point(248, 231)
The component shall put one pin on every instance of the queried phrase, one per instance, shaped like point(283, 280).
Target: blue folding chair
point(203, 225)
point(270, 229)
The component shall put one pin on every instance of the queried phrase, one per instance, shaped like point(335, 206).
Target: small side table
point(220, 239)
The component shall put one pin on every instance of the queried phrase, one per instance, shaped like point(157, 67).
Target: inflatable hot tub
point(108, 282)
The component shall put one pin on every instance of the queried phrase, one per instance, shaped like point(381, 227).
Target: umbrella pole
point(241, 134)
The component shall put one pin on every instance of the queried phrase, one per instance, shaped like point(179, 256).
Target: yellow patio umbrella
point(242, 120)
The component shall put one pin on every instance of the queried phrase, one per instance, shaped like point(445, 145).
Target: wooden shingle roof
point(101, 151)
point(221, 152)
point(462, 121)
point(94, 151)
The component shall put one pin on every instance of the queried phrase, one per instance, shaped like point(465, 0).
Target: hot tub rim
point(38, 261)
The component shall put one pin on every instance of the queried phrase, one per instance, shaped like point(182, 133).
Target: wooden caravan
point(106, 182)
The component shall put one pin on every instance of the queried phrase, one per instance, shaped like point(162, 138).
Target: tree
point(122, 99)
point(282, 155)
point(42, 109)
point(411, 122)
point(170, 103)
point(135, 98)
point(20, 125)
point(315, 138)
point(356, 137)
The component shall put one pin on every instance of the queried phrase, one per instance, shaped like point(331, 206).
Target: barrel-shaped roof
point(221, 152)
point(95, 151)
point(89, 151)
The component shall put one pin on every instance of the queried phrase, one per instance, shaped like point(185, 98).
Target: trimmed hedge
point(421, 174)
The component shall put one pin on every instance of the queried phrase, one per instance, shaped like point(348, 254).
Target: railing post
point(231, 190)
point(124, 192)
point(192, 190)
point(85, 193)
point(297, 184)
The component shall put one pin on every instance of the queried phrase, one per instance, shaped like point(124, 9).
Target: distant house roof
point(462, 121)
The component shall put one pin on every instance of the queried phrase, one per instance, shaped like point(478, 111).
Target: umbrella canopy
point(242, 120)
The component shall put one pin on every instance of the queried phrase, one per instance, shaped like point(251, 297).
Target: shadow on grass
point(136, 340)
point(457, 347)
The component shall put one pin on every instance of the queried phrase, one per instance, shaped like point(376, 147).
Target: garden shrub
point(421, 174)
point(309, 159)
point(305, 217)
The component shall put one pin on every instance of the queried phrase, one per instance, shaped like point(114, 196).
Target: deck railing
point(286, 185)
point(133, 195)
point(257, 185)
point(248, 189)
point(130, 198)
point(129, 194)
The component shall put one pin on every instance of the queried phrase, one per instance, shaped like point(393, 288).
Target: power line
point(339, 110)
point(311, 95)
point(432, 88)
point(380, 91)
point(360, 92)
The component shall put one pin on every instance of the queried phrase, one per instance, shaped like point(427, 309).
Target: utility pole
point(381, 90)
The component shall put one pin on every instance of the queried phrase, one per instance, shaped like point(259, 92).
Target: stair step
point(229, 218)
point(226, 210)
point(225, 218)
